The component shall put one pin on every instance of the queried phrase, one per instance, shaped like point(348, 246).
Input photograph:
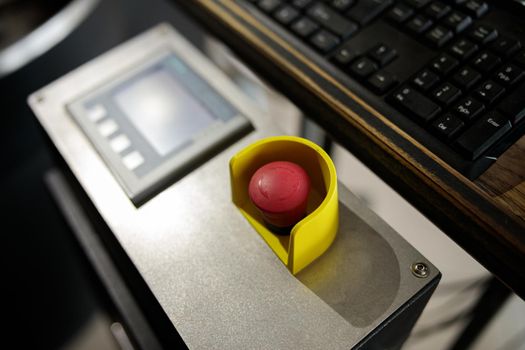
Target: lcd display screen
point(162, 110)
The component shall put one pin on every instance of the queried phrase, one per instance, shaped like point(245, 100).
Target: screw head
point(420, 270)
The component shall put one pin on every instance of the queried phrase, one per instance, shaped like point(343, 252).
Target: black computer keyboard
point(454, 67)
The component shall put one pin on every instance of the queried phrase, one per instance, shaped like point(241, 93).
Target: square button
point(96, 113)
point(133, 160)
point(107, 127)
point(119, 143)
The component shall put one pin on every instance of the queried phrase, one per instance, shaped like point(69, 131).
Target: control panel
point(156, 122)
point(242, 235)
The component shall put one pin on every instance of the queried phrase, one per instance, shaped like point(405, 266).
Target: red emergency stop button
point(280, 191)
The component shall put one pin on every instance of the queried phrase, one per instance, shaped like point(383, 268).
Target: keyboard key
point(505, 46)
point(457, 21)
point(324, 41)
point(304, 27)
point(444, 64)
point(286, 15)
point(439, 36)
point(476, 8)
point(463, 49)
point(269, 5)
point(466, 78)
point(446, 94)
point(400, 13)
point(509, 74)
point(414, 103)
point(367, 10)
point(447, 126)
point(483, 134)
point(513, 106)
point(419, 24)
point(489, 91)
point(341, 5)
point(381, 82)
point(483, 34)
point(382, 54)
point(486, 62)
point(301, 4)
point(363, 68)
point(344, 55)
point(468, 108)
point(437, 10)
point(417, 3)
point(331, 20)
point(425, 80)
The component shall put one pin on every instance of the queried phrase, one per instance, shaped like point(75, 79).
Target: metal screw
point(420, 270)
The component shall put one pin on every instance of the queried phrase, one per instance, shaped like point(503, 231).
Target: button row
point(119, 143)
point(436, 23)
point(472, 123)
point(324, 24)
point(456, 94)
point(366, 67)
point(483, 133)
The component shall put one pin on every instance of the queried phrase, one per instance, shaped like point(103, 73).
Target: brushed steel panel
point(219, 283)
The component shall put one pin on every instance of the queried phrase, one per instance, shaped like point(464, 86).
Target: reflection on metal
point(120, 336)
point(283, 113)
point(45, 37)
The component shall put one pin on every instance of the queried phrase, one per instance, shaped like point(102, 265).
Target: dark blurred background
point(50, 293)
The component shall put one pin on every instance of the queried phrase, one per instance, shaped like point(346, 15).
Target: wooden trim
point(505, 180)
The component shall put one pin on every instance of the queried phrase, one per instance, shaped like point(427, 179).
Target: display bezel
point(157, 171)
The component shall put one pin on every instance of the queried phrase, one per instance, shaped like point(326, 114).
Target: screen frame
point(174, 165)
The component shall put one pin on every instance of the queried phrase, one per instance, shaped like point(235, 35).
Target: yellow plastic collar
point(314, 234)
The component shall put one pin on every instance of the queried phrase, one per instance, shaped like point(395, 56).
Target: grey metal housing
point(217, 281)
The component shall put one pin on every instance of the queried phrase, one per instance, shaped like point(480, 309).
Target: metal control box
point(217, 282)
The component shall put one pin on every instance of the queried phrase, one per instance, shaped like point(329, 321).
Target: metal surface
point(218, 282)
point(45, 37)
point(100, 260)
point(120, 336)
